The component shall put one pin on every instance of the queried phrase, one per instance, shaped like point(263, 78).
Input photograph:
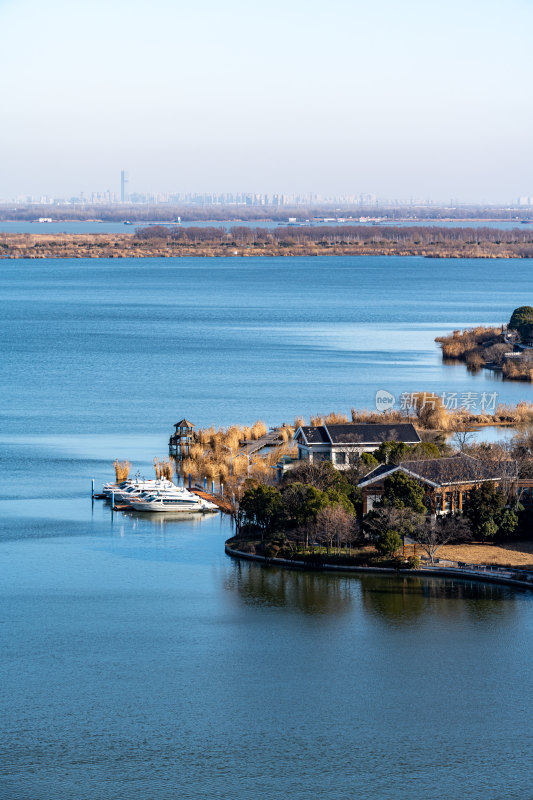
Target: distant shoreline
point(288, 243)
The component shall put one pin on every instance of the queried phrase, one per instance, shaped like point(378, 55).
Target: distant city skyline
point(266, 199)
point(412, 99)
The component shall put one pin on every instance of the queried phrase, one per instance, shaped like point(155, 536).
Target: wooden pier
point(221, 502)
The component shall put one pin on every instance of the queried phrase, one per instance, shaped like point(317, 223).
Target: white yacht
point(169, 500)
point(133, 485)
point(141, 490)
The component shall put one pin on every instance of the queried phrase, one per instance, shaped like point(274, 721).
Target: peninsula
point(508, 348)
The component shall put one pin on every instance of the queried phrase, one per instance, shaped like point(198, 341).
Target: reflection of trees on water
point(392, 598)
point(311, 592)
point(406, 598)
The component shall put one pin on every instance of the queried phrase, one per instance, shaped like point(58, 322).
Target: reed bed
point(122, 470)
point(163, 469)
point(459, 343)
point(217, 453)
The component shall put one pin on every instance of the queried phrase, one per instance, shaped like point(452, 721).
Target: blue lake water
point(137, 659)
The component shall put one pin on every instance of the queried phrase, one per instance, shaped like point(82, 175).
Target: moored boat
point(182, 500)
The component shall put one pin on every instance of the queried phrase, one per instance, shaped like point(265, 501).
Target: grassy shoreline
point(38, 246)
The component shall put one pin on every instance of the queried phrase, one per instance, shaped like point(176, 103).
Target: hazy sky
point(421, 97)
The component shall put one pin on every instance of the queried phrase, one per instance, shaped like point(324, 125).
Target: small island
point(508, 348)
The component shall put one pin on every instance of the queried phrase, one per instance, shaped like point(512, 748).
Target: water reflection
point(393, 599)
point(161, 519)
point(310, 592)
point(404, 598)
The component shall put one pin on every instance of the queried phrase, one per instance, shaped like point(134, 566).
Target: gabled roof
point(313, 434)
point(372, 433)
point(184, 423)
point(439, 472)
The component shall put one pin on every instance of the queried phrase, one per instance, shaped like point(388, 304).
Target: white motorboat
point(169, 500)
point(133, 485)
point(145, 488)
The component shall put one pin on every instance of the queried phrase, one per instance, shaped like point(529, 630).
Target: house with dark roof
point(446, 481)
point(343, 444)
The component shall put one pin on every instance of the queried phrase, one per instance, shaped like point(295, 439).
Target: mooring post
point(222, 490)
point(112, 501)
point(212, 487)
point(190, 480)
point(92, 488)
point(205, 483)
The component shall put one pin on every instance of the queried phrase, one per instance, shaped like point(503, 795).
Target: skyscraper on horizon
point(123, 184)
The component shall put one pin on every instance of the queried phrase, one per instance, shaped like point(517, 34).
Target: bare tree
point(431, 535)
point(462, 438)
point(334, 526)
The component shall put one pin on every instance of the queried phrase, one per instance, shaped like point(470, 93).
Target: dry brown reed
point(259, 429)
point(163, 469)
point(298, 422)
point(335, 418)
point(122, 470)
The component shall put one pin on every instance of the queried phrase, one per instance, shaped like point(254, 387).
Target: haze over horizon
point(400, 100)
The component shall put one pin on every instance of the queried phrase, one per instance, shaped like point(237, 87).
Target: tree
point(322, 475)
point(389, 542)
point(462, 438)
point(334, 497)
point(391, 452)
point(508, 521)
point(369, 461)
point(522, 321)
point(262, 506)
point(422, 451)
point(482, 506)
point(334, 526)
point(402, 520)
point(433, 534)
point(403, 492)
point(302, 502)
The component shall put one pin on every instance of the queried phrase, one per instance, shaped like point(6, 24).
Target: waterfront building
point(343, 444)
point(447, 481)
point(179, 444)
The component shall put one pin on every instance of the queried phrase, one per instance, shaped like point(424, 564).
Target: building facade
point(447, 481)
point(343, 444)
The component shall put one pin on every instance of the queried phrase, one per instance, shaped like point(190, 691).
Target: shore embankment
point(522, 579)
point(38, 246)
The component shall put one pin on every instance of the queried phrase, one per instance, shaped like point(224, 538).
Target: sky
point(424, 99)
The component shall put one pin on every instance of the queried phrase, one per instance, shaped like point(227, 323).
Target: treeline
point(326, 235)
point(188, 213)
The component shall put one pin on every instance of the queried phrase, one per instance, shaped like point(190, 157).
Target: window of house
point(340, 458)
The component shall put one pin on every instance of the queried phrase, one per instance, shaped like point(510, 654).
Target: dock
point(221, 502)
